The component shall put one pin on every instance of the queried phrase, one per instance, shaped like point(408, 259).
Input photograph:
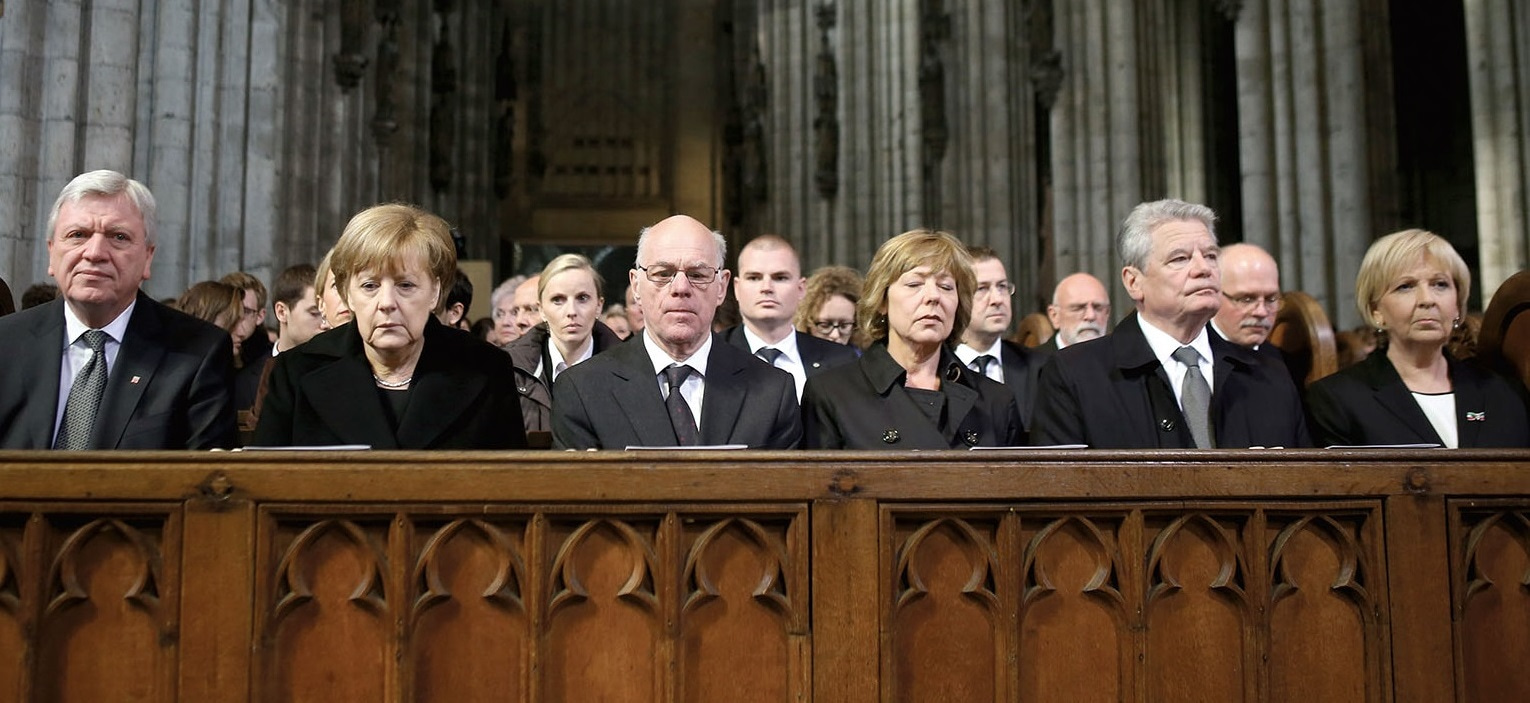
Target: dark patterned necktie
point(981, 363)
point(84, 397)
point(679, 411)
point(769, 355)
point(1195, 397)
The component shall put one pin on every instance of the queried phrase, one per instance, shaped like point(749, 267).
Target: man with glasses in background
point(676, 387)
point(1080, 311)
point(983, 348)
point(1250, 296)
point(769, 288)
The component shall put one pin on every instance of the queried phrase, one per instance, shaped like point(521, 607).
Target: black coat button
point(1167, 425)
point(970, 437)
point(890, 436)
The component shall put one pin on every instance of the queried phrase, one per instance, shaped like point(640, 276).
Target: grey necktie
point(84, 397)
point(679, 411)
point(1195, 397)
point(769, 354)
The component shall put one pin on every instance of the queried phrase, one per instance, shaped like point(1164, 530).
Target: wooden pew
point(1303, 332)
point(1504, 341)
point(1297, 575)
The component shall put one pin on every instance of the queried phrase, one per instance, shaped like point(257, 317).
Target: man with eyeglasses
point(1080, 311)
point(676, 387)
point(769, 288)
point(1250, 296)
point(983, 348)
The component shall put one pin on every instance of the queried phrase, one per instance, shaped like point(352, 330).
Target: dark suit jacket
point(170, 388)
point(866, 406)
point(463, 396)
point(1022, 371)
point(530, 350)
point(818, 355)
point(613, 401)
point(1368, 403)
point(1111, 393)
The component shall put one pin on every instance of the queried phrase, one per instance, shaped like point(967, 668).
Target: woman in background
point(828, 306)
point(332, 306)
point(1410, 390)
point(218, 303)
point(571, 294)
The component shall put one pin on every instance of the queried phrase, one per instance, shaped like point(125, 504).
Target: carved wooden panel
point(89, 603)
point(1490, 554)
point(456, 604)
point(324, 623)
point(1195, 602)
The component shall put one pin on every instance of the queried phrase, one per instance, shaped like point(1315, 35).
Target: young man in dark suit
point(1162, 379)
point(675, 386)
point(983, 348)
point(105, 366)
point(769, 288)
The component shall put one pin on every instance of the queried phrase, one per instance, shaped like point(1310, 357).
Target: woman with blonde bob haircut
point(909, 391)
point(1411, 288)
point(395, 378)
point(571, 293)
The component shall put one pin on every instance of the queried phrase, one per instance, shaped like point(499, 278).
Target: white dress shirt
point(1164, 347)
point(694, 387)
point(76, 353)
point(995, 370)
point(790, 360)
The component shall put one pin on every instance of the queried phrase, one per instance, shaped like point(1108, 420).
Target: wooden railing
point(667, 576)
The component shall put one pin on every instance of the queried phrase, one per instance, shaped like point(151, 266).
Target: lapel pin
point(1476, 416)
point(133, 380)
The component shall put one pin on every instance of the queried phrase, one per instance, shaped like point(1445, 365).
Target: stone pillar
point(1305, 144)
point(1498, 32)
point(1097, 130)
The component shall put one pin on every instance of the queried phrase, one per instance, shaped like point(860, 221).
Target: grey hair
point(717, 238)
point(1135, 240)
point(107, 184)
point(505, 290)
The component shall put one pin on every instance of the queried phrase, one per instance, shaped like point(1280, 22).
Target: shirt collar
point(584, 353)
point(787, 346)
point(1164, 345)
point(662, 360)
point(116, 329)
point(967, 354)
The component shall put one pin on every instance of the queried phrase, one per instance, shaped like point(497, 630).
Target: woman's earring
point(1455, 323)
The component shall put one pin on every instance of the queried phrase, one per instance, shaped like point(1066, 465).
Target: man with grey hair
point(1161, 379)
point(105, 366)
point(677, 385)
point(502, 308)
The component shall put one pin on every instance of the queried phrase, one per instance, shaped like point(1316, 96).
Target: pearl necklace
point(391, 384)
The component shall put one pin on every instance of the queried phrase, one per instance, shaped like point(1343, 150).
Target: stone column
point(1305, 144)
point(1498, 32)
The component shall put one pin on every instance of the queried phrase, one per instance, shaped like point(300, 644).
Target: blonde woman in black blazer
point(1410, 391)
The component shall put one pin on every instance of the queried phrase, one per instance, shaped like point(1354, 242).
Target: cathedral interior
point(541, 126)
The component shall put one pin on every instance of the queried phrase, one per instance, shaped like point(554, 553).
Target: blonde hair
point(941, 251)
point(386, 239)
point(570, 262)
point(1389, 256)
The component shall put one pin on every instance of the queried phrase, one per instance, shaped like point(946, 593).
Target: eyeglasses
point(1250, 301)
point(1004, 288)
point(830, 326)
point(251, 312)
point(662, 274)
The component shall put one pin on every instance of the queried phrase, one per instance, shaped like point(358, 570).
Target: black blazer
point(1022, 371)
point(1368, 403)
point(613, 401)
point(530, 350)
point(463, 396)
point(864, 405)
point(818, 355)
point(170, 387)
point(1111, 393)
